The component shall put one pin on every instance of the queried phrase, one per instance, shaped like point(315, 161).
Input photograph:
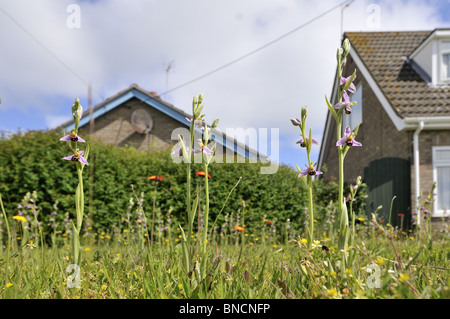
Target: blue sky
point(45, 64)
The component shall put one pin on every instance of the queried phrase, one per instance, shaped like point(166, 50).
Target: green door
point(386, 178)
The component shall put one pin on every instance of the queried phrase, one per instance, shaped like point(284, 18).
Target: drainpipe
point(417, 167)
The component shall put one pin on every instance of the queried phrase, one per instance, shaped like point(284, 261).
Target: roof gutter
point(417, 167)
point(437, 122)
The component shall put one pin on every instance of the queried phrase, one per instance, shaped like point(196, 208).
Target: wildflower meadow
point(177, 225)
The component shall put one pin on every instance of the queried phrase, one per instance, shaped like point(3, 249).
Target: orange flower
point(155, 177)
point(202, 173)
point(401, 215)
point(267, 221)
point(239, 228)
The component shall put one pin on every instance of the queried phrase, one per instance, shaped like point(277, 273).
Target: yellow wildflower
point(104, 287)
point(403, 277)
point(8, 285)
point(380, 261)
point(180, 286)
point(332, 292)
point(20, 218)
point(87, 249)
point(304, 240)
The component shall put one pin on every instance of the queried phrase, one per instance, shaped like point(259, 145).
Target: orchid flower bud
point(339, 54)
point(346, 48)
point(215, 123)
point(183, 148)
point(77, 110)
point(296, 122)
point(304, 112)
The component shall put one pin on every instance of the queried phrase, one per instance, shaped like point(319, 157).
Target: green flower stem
point(7, 225)
point(311, 213)
point(352, 214)
point(188, 169)
point(80, 200)
point(153, 217)
point(205, 231)
point(8, 249)
point(79, 208)
point(342, 206)
point(190, 213)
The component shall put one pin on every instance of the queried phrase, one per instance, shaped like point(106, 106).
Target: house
point(141, 119)
point(403, 109)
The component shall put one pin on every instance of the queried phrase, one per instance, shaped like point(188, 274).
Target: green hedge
point(32, 161)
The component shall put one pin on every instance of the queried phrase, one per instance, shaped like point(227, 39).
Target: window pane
point(442, 155)
point(445, 45)
point(446, 65)
point(356, 115)
point(443, 187)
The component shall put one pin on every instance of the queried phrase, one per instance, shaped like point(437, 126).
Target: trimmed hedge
point(32, 161)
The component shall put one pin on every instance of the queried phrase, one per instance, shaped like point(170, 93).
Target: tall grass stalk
point(343, 144)
point(80, 159)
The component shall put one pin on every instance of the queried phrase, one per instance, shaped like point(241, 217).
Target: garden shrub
point(32, 161)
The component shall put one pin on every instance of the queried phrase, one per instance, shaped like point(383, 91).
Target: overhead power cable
point(257, 49)
point(47, 50)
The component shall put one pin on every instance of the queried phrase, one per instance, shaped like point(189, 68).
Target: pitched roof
point(152, 99)
point(132, 91)
point(385, 55)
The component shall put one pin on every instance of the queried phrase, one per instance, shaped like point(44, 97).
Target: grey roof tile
point(383, 53)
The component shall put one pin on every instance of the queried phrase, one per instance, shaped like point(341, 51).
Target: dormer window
point(445, 60)
point(431, 59)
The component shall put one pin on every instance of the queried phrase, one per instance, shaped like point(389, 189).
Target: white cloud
point(53, 121)
point(122, 43)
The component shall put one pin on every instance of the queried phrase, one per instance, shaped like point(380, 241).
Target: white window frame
point(347, 119)
point(436, 164)
point(443, 76)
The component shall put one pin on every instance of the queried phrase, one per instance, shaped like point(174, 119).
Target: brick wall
point(427, 139)
point(115, 128)
point(377, 133)
point(381, 139)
